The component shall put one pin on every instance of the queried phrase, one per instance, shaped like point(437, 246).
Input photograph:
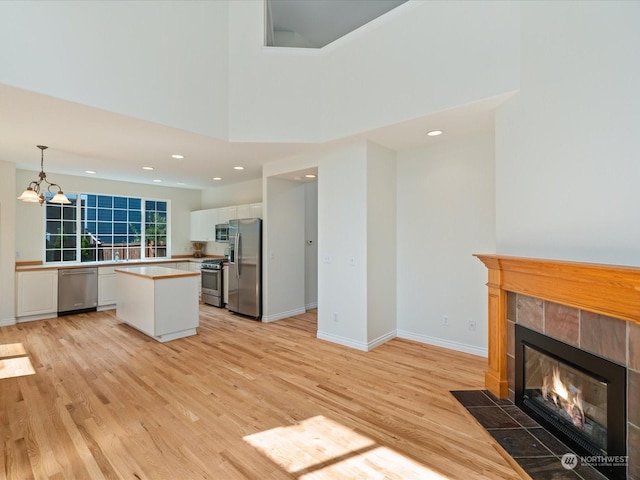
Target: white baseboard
point(347, 342)
point(5, 322)
point(440, 342)
point(33, 318)
point(311, 306)
point(279, 316)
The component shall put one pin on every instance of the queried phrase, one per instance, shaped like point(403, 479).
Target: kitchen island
point(158, 301)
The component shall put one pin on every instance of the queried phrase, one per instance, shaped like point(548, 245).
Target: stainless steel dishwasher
point(77, 290)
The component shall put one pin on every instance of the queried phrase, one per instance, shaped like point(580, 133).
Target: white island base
point(158, 301)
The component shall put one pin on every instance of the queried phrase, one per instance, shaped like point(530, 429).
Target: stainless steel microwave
point(222, 232)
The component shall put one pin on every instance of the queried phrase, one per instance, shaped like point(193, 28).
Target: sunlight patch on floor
point(319, 448)
point(14, 362)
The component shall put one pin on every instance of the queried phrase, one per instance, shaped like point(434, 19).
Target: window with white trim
point(106, 228)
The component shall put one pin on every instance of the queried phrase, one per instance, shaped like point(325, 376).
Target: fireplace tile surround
point(595, 308)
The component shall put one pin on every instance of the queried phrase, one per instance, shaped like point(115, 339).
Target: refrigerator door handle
point(237, 254)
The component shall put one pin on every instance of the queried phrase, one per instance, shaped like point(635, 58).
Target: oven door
point(212, 287)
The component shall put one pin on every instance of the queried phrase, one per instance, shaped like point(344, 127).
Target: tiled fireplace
point(593, 310)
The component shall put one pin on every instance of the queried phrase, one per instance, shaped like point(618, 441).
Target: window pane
point(68, 241)
point(105, 202)
point(91, 214)
point(92, 200)
point(120, 202)
point(68, 227)
point(119, 215)
point(68, 255)
point(69, 212)
point(105, 228)
point(161, 206)
point(105, 214)
point(119, 228)
point(53, 255)
point(53, 211)
point(135, 204)
point(135, 216)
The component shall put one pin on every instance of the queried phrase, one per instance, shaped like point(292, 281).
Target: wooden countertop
point(157, 273)
point(38, 265)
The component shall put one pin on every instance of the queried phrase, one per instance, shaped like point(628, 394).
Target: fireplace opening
point(577, 396)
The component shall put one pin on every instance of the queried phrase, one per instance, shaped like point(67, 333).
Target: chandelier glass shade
point(33, 193)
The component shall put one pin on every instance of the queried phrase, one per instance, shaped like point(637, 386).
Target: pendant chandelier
point(33, 194)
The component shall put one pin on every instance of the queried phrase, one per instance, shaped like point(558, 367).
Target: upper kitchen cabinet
point(252, 210)
point(203, 225)
point(226, 213)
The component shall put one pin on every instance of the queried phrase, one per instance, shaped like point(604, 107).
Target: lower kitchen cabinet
point(37, 293)
point(106, 286)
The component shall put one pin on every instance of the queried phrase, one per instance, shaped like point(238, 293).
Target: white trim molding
point(440, 342)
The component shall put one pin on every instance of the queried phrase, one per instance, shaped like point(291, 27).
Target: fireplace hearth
point(577, 396)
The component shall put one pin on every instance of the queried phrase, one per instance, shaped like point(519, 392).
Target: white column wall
point(446, 213)
point(283, 291)
point(381, 245)
point(567, 148)
point(7, 242)
point(161, 61)
point(342, 232)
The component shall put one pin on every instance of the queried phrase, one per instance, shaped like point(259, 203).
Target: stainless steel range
point(212, 286)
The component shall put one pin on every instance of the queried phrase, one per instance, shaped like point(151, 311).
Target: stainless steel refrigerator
point(245, 267)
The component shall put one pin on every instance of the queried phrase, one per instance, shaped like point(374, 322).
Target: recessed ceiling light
point(434, 133)
point(238, 168)
point(157, 180)
point(178, 156)
point(217, 178)
point(309, 175)
point(90, 171)
point(147, 168)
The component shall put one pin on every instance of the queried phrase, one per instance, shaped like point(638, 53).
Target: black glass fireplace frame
point(613, 374)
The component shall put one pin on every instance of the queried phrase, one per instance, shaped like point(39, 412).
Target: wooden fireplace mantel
point(605, 289)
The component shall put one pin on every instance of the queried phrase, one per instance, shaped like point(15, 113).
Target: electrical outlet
point(326, 258)
point(335, 316)
point(472, 325)
point(445, 320)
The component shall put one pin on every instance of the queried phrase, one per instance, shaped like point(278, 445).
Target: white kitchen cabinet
point(203, 225)
point(106, 286)
point(186, 266)
point(225, 284)
point(37, 293)
point(226, 213)
point(251, 210)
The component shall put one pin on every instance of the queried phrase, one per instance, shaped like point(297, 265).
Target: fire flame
point(565, 398)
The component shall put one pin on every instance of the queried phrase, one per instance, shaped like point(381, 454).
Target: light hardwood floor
point(241, 400)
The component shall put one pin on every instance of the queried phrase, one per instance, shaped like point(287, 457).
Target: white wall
point(567, 149)
point(311, 249)
point(381, 244)
point(236, 194)
point(29, 232)
point(160, 61)
point(446, 213)
point(283, 249)
point(7, 242)
point(342, 233)
point(396, 68)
